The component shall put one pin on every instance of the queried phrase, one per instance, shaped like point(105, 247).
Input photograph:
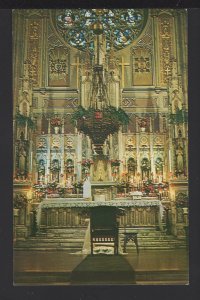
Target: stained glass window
point(122, 26)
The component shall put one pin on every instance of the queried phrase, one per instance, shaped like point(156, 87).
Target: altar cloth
point(62, 202)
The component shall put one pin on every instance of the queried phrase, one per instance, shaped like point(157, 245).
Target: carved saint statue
point(179, 153)
point(176, 102)
point(105, 149)
point(87, 188)
point(69, 182)
point(41, 170)
point(22, 160)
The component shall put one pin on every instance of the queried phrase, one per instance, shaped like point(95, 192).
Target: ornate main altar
point(106, 106)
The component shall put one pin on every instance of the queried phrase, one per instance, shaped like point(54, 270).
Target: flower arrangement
point(56, 122)
point(78, 185)
point(20, 201)
point(115, 162)
point(181, 200)
point(86, 162)
point(143, 123)
point(50, 188)
point(121, 186)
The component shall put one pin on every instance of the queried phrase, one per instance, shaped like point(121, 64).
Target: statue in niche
point(159, 165)
point(145, 166)
point(22, 160)
point(94, 152)
point(100, 172)
point(179, 159)
point(131, 166)
point(159, 169)
point(55, 170)
point(176, 102)
point(22, 136)
point(106, 149)
point(133, 182)
point(87, 188)
point(41, 170)
point(69, 182)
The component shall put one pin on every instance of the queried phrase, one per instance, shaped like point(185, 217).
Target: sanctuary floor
point(56, 267)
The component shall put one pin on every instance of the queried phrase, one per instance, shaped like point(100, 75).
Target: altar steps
point(72, 240)
point(151, 239)
point(64, 239)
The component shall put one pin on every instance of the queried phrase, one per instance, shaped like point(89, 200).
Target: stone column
point(79, 155)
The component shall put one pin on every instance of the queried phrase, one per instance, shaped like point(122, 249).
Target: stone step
point(68, 249)
point(149, 239)
point(72, 239)
point(51, 246)
point(47, 241)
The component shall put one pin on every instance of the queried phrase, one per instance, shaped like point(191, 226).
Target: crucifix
point(123, 65)
point(168, 71)
point(77, 64)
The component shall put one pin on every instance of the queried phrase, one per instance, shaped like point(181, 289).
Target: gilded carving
point(69, 142)
point(133, 102)
point(142, 59)
point(130, 142)
point(144, 141)
point(158, 140)
point(41, 142)
point(142, 66)
point(33, 50)
point(55, 143)
point(166, 46)
point(69, 102)
point(129, 102)
point(59, 66)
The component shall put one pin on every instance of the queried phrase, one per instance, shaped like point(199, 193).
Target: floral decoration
point(143, 122)
point(181, 200)
point(87, 162)
point(56, 122)
point(115, 162)
point(20, 201)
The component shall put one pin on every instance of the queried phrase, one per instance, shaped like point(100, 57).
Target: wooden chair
point(104, 227)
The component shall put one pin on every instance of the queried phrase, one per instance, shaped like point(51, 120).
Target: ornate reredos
point(74, 27)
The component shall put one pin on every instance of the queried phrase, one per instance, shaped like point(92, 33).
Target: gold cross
point(78, 65)
point(168, 71)
point(123, 64)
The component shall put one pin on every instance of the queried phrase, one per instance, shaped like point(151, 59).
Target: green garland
point(110, 113)
point(21, 121)
point(181, 116)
